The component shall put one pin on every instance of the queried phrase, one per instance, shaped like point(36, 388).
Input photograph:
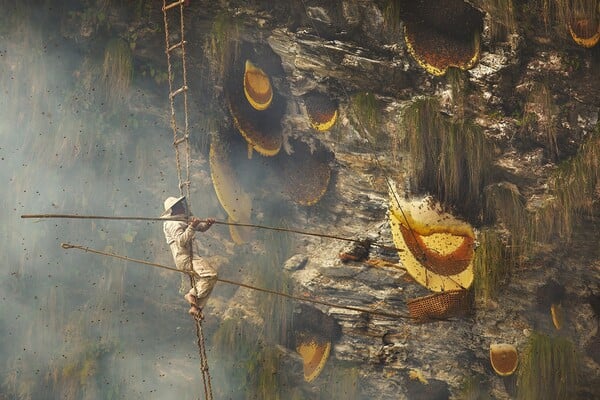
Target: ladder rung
point(178, 91)
point(180, 44)
point(180, 140)
point(175, 4)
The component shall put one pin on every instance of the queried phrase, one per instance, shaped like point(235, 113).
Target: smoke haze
point(76, 325)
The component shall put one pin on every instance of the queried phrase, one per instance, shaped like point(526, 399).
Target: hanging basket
point(442, 305)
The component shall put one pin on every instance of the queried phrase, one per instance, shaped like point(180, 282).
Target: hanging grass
point(541, 106)
point(236, 342)
point(222, 45)
point(343, 384)
point(451, 160)
point(492, 266)
point(270, 274)
point(392, 12)
point(575, 185)
point(548, 369)
point(502, 18)
point(474, 388)
point(251, 358)
point(504, 204)
point(117, 70)
point(266, 373)
point(458, 80)
point(233, 339)
point(251, 367)
point(367, 110)
point(573, 192)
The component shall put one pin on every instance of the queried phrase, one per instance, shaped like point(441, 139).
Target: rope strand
point(244, 285)
point(203, 358)
point(177, 140)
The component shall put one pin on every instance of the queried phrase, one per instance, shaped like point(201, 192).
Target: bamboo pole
point(273, 228)
point(107, 217)
point(386, 314)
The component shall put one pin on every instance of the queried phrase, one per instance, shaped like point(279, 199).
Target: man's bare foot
point(190, 298)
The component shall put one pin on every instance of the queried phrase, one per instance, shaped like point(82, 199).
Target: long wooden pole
point(260, 289)
point(108, 217)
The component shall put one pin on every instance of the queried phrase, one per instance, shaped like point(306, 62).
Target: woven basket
point(439, 305)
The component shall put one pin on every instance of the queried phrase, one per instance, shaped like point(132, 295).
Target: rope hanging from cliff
point(203, 358)
point(239, 284)
point(185, 140)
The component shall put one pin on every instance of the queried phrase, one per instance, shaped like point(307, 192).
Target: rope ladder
point(181, 137)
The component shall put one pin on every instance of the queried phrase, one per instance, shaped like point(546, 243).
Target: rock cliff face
point(533, 96)
point(488, 107)
point(533, 93)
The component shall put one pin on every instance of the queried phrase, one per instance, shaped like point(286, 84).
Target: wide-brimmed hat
point(169, 203)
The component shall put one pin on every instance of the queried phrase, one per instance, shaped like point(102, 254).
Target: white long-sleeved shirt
point(180, 237)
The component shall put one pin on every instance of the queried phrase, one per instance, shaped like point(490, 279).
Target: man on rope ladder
point(180, 238)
